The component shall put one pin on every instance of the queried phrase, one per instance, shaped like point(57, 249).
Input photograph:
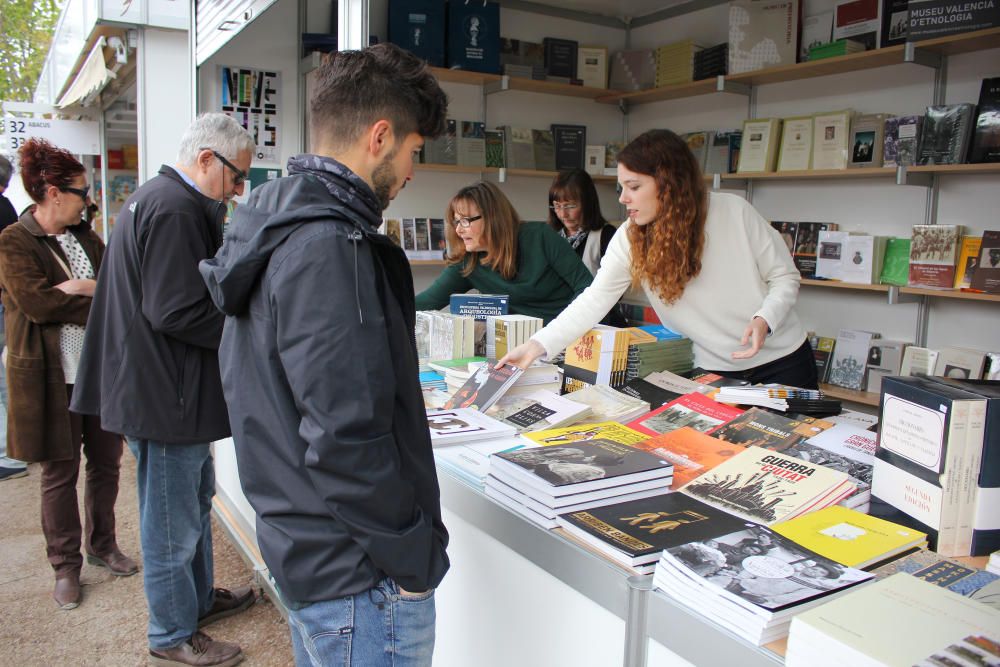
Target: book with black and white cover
point(933, 255)
point(885, 358)
point(472, 143)
point(960, 363)
point(986, 275)
point(647, 392)
point(448, 427)
point(592, 66)
point(946, 133)
point(537, 410)
point(867, 140)
point(850, 357)
point(485, 387)
point(831, 254)
point(694, 410)
point(634, 532)
point(817, 29)
point(986, 133)
point(863, 627)
point(849, 449)
point(762, 428)
point(895, 22)
point(607, 404)
point(806, 250)
point(901, 140)
point(766, 487)
point(570, 142)
point(918, 361)
point(578, 468)
point(751, 581)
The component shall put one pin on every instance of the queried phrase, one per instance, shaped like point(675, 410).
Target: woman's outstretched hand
point(754, 335)
point(523, 355)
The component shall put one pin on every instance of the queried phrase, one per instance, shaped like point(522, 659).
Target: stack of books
point(464, 425)
point(484, 387)
point(598, 357)
point(751, 581)
point(609, 430)
point(976, 584)
point(505, 332)
point(845, 447)
point(470, 461)
point(633, 70)
point(692, 452)
point(607, 404)
point(711, 62)
point(780, 397)
point(537, 410)
point(541, 483)
point(536, 377)
point(451, 336)
point(838, 47)
point(675, 63)
point(648, 392)
point(654, 348)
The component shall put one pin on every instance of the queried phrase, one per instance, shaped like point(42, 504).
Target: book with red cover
point(695, 410)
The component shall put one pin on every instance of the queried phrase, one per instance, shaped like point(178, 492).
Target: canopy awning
point(90, 80)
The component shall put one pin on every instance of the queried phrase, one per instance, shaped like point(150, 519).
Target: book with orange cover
point(691, 452)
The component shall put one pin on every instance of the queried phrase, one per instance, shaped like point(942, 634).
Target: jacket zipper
point(355, 236)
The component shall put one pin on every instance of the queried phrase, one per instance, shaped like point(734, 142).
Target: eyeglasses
point(80, 192)
point(239, 176)
point(564, 207)
point(465, 223)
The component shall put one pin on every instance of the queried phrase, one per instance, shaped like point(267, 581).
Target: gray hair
point(218, 132)
point(6, 169)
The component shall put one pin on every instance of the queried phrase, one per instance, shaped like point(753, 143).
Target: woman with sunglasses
point(711, 266)
point(49, 261)
point(575, 214)
point(492, 251)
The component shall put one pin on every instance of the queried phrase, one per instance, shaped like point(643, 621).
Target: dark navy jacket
point(320, 372)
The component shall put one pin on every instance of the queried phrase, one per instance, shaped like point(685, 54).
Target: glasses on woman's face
point(80, 192)
point(564, 207)
point(466, 222)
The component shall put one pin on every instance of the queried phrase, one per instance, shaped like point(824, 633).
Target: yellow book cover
point(581, 432)
point(968, 260)
point(583, 357)
point(848, 536)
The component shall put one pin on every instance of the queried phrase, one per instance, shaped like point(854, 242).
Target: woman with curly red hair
point(710, 265)
point(49, 261)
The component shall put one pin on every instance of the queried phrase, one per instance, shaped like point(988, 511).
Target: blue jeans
point(176, 484)
point(374, 628)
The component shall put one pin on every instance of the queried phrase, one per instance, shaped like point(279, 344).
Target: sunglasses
point(465, 223)
point(80, 192)
point(239, 176)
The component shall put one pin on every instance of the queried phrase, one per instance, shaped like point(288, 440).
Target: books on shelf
point(472, 143)
point(901, 140)
point(863, 258)
point(473, 41)
point(867, 140)
point(896, 263)
point(594, 159)
point(960, 363)
point(592, 66)
point(822, 347)
point(633, 70)
point(698, 143)
point(885, 358)
point(544, 148)
point(675, 62)
point(796, 143)
point(419, 27)
point(762, 34)
point(560, 57)
point(717, 161)
point(691, 452)
point(463, 425)
point(766, 486)
point(443, 149)
point(830, 254)
point(635, 532)
point(751, 581)
point(817, 29)
point(986, 275)
point(537, 410)
point(933, 254)
point(694, 410)
point(831, 133)
point(918, 361)
point(986, 132)
point(570, 142)
point(518, 147)
point(850, 537)
point(968, 259)
point(485, 387)
point(895, 22)
point(711, 62)
point(838, 47)
point(862, 627)
point(759, 149)
point(944, 138)
point(859, 20)
point(850, 356)
point(805, 255)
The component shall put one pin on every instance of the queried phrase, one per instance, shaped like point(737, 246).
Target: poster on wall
point(253, 97)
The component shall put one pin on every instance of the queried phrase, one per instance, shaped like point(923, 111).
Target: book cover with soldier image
point(646, 527)
point(761, 428)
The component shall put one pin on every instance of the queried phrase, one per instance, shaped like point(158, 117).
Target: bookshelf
point(502, 173)
point(500, 82)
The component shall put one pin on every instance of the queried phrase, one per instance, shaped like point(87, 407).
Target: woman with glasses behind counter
point(494, 252)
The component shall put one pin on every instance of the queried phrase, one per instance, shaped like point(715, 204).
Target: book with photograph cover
point(635, 532)
point(519, 147)
point(968, 260)
point(959, 363)
point(885, 357)
point(831, 136)
point(895, 21)
point(537, 410)
point(786, 230)
point(394, 230)
point(449, 427)
point(758, 427)
point(850, 357)
point(694, 410)
point(859, 20)
point(592, 66)
point(646, 391)
point(867, 140)
point(831, 254)
point(766, 486)
point(817, 29)
point(986, 276)
point(569, 435)
point(901, 140)
point(485, 387)
point(692, 452)
point(807, 245)
point(472, 143)
point(759, 148)
point(933, 255)
point(822, 347)
point(944, 138)
point(986, 134)
point(570, 142)
point(698, 142)
point(494, 149)
point(842, 447)
point(578, 468)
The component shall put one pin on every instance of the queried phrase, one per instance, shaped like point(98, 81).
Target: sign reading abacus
point(80, 137)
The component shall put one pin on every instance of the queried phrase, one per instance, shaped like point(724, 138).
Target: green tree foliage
point(26, 28)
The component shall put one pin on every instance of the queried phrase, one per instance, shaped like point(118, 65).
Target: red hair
point(43, 164)
point(666, 253)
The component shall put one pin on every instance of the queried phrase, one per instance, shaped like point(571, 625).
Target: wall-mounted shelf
point(499, 82)
point(840, 285)
point(916, 291)
point(503, 173)
point(813, 174)
point(970, 169)
point(863, 397)
point(674, 92)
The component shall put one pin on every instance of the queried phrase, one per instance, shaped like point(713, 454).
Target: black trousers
point(797, 369)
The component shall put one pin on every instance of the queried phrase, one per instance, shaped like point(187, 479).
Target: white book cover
point(831, 132)
point(830, 251)
point(850, 356)
point(537, 410)
point(918, 361)
point(607, 404)
point(796, 144)
point(472, 460)
point(759, 149)
point(594, 160)
point(960, 363)
point(857, 264)
point(885, 357)
point(449, 427)
point(816, 30)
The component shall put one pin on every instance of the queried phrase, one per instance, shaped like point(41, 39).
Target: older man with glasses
point(150, 368)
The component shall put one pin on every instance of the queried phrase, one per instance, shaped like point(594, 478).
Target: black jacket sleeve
point(333, 345)
point(174, 297)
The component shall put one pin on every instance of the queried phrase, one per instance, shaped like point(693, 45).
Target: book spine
point(986, 526)
point(951, 479)
point(972, 462)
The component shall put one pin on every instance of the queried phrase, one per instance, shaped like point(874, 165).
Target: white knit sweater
point(746, 271)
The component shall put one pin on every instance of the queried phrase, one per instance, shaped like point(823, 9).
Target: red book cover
point(695, 410)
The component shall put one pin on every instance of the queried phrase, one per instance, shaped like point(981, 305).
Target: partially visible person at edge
point(9, 468)
point(575, 214)
point(329, 424)
point(150, 368)
point(48, 261)
point(710, 265)
point(494, 252)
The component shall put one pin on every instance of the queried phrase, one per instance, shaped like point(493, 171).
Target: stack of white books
point(607, 404)
point(543, 482)
point(470, 461)
point(537, 410)
point(464, 425)
point(752, 581)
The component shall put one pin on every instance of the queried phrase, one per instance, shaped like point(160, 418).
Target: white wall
point(164, 97)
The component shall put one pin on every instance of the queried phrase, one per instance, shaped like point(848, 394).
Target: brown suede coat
point(38, 414)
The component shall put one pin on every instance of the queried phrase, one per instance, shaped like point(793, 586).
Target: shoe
point(118, 563)
point(12, 473)
point(199, 650)
point(67, 591)
point(228, 603)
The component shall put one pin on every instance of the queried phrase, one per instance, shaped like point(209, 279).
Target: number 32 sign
point(81, 137)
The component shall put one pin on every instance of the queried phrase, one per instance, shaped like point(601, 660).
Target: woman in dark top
point(492, 251)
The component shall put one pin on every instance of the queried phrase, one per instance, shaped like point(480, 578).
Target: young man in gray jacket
point(319, 368)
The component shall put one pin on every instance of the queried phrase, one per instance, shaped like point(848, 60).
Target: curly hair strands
point(44, 165)
point(500, 226)
point(666, 253)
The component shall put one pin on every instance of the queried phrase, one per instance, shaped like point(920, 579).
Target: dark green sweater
point(549, 276)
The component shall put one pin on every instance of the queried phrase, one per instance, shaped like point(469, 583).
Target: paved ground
point(109, 626)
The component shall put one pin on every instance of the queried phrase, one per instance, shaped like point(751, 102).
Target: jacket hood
point(259, 228)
